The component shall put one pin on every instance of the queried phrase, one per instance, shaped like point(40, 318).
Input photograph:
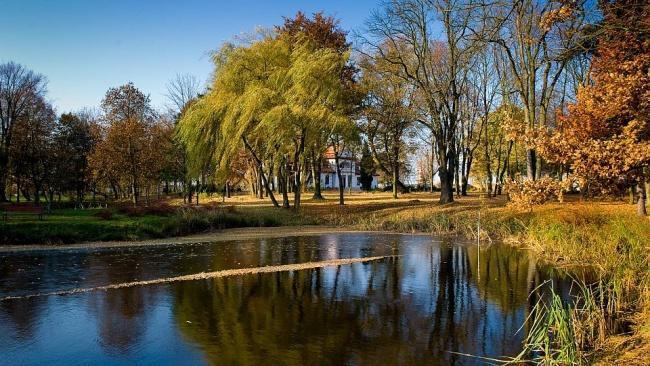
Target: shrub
point(160, 209)
point(528, 193)
point(105, 214)
point(157, 209)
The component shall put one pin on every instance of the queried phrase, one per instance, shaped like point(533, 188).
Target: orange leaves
point(605, 136)
point(528, 193)
point(558, 15)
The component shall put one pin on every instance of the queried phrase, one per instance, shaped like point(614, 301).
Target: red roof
point(329, 154)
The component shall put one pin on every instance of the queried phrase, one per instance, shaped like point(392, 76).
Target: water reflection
point(428, 305)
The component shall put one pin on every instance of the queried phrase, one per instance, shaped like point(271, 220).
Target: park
point(398, 182)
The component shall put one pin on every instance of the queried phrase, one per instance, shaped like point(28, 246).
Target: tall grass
point(569, 333)
point(551, 338)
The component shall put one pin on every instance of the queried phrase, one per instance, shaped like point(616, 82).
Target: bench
point(20, 209)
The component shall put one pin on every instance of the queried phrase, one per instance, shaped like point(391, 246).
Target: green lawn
point(73, 226)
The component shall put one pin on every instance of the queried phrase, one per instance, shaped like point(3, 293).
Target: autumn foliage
point(605, 136)
point(525, 194)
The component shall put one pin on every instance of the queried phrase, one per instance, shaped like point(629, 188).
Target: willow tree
point(323, 32)
point(271, 97)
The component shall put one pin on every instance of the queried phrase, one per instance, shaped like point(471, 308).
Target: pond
point(429, 301)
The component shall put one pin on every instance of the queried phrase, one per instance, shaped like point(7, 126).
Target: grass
point(74, 226)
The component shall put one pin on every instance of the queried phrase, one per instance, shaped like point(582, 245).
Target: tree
point(388, 115)
point(129, 152)
point(605, 136)
point(538, 39)
point(436, 66)
point(274, 96)
point(367, 168)
point(73, 142)
point(32, 151)
point(342, 140)
point(324, 33)
point(20, 88)
point(181, 90)
point(499, 153)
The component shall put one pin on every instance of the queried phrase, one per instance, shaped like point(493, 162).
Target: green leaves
point(274, 92)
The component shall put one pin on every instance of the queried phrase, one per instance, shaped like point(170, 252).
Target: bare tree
point(181, 90)
point(19, 88)
point(435, 62)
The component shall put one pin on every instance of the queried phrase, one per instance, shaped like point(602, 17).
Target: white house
point(350, 171)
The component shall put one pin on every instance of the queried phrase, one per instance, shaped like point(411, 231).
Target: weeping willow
point(271, 98)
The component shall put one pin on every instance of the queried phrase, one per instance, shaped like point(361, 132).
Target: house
point(350, 171)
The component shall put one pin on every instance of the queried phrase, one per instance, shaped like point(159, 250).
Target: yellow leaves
point(528, 193)
point(559, 15)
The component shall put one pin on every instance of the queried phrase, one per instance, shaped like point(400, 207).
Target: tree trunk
point(446, 185)
point(4, 163)
point(340, 178)
point(316, 172)
point(395, 178)
point(641, 191)
point(531, 164)
point(298, 162)
point(49, 202)
point(284, 182)
point(79, 197)
point(134, 191)
point(37, 195)
point(446, 172)
point(264, 180)
point(259, 183)
point(465, 178)
point(457, 178)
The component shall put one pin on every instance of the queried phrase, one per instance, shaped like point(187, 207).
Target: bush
point(157, 209)
point(528, 193)
point(104, 214)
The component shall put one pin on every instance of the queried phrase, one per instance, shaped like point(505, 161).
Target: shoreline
point(234, 234)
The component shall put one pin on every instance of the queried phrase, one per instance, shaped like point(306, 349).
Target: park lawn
point(68, 226)
point(73, 226)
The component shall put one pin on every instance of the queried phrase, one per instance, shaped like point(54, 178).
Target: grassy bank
point(74, 226)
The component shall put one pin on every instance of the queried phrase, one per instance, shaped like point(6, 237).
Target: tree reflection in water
point(423, 307)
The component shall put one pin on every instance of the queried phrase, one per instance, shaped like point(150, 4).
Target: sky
point(84, 47)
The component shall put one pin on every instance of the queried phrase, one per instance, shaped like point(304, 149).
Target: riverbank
point(225, 235)
point(606, 236)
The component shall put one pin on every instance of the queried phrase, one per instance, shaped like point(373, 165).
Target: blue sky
point(85, 47)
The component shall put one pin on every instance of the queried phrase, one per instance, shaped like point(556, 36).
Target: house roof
point(344, 155)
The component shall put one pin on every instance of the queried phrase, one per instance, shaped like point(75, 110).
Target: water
point(426, 305)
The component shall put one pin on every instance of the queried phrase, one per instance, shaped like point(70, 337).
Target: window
point(327, 179)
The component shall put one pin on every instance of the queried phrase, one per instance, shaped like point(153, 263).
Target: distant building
point(350, 171)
